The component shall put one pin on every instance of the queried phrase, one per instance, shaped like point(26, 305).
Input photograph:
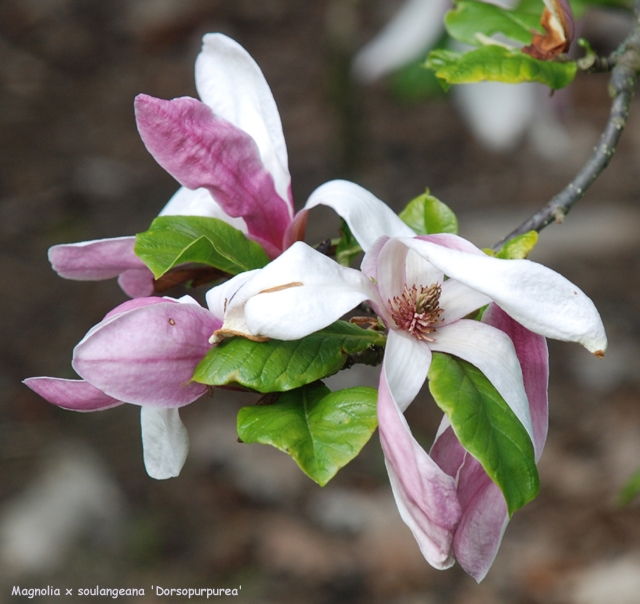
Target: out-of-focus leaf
point(470, 18)
point(320, 429)
point(630, 490)
point(498, 64)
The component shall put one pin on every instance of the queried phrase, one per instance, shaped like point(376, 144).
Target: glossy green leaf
point(427, 215)
point(347, 248)
point(277, 365)
point(470, 18)
point(498, 64)
point(486, 427)
point(322, 430)
point(173, 240)
point(518, 247)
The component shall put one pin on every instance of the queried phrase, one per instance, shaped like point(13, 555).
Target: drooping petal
point(165, 442)
point(491, 351)
point(186, 202)
point(230, 82)
point(146, 356)
point(407, 362)
point(535, 296)
point(414, 29)
point(76, 395)
point(201, 150)
point(425, 495)
point(485, 516)
point(367, 216)
point(533, 355)
point(484, 519)
point(95, 260)
point(300, 292)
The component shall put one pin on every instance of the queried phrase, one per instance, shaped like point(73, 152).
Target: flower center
point(418, 310)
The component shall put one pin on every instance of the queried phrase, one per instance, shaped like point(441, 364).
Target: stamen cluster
point(417, 310)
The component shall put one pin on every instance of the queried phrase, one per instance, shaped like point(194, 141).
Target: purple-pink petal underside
point(76, 395)
point(146, 356)
point(201, 150)
point(484, 509)
point(425, 495)
point(95, 260)
point(533, 355)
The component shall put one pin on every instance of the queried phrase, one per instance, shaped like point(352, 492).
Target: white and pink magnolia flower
point(227, 151)
point(143, 352)
point(423, 288)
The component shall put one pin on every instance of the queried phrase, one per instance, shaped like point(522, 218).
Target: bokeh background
point(77, 508)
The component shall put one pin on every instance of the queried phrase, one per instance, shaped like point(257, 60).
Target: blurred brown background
point(77, 506)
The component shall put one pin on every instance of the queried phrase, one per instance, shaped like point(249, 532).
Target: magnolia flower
point(227, 151)
point(143, 352)
point(403, 276)
point(498, 114)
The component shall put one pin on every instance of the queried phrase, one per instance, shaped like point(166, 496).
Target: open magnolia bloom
point(227, 151)
point(143, 352)
point(422, 288)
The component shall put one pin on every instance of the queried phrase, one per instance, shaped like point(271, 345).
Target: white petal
point(458, 301)
point(415, 28)
point(367, 216)
point(311, 292)
point(497, 113)
point(406, 362)
point(165, 442)
point(232, 84)
point(187, 202)
point(491, 351)
point(535, 296)
point(218, 296)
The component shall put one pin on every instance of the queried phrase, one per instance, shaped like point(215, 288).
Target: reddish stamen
point(417, 310)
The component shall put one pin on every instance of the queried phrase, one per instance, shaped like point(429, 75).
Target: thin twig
point(624, 78)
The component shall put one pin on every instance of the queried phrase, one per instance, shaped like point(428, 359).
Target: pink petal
point(230, 82)
point(425, 495)
point(136, 282)
point(146, 356)
point(533, 355)
point(484, 510)
point(76, 395)
point(136, 303)
point(201, 150)
point(296, 229)
point(452, 242)
point(96, 260)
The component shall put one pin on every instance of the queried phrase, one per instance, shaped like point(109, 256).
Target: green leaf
point(173, 240)
point(630, 490)
point(518, 247)
point(498, 64)
point(470, 18)
point(277, 365)
point(348, 248)
point(486, 427)
point(427, 215)
point(322, 430)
